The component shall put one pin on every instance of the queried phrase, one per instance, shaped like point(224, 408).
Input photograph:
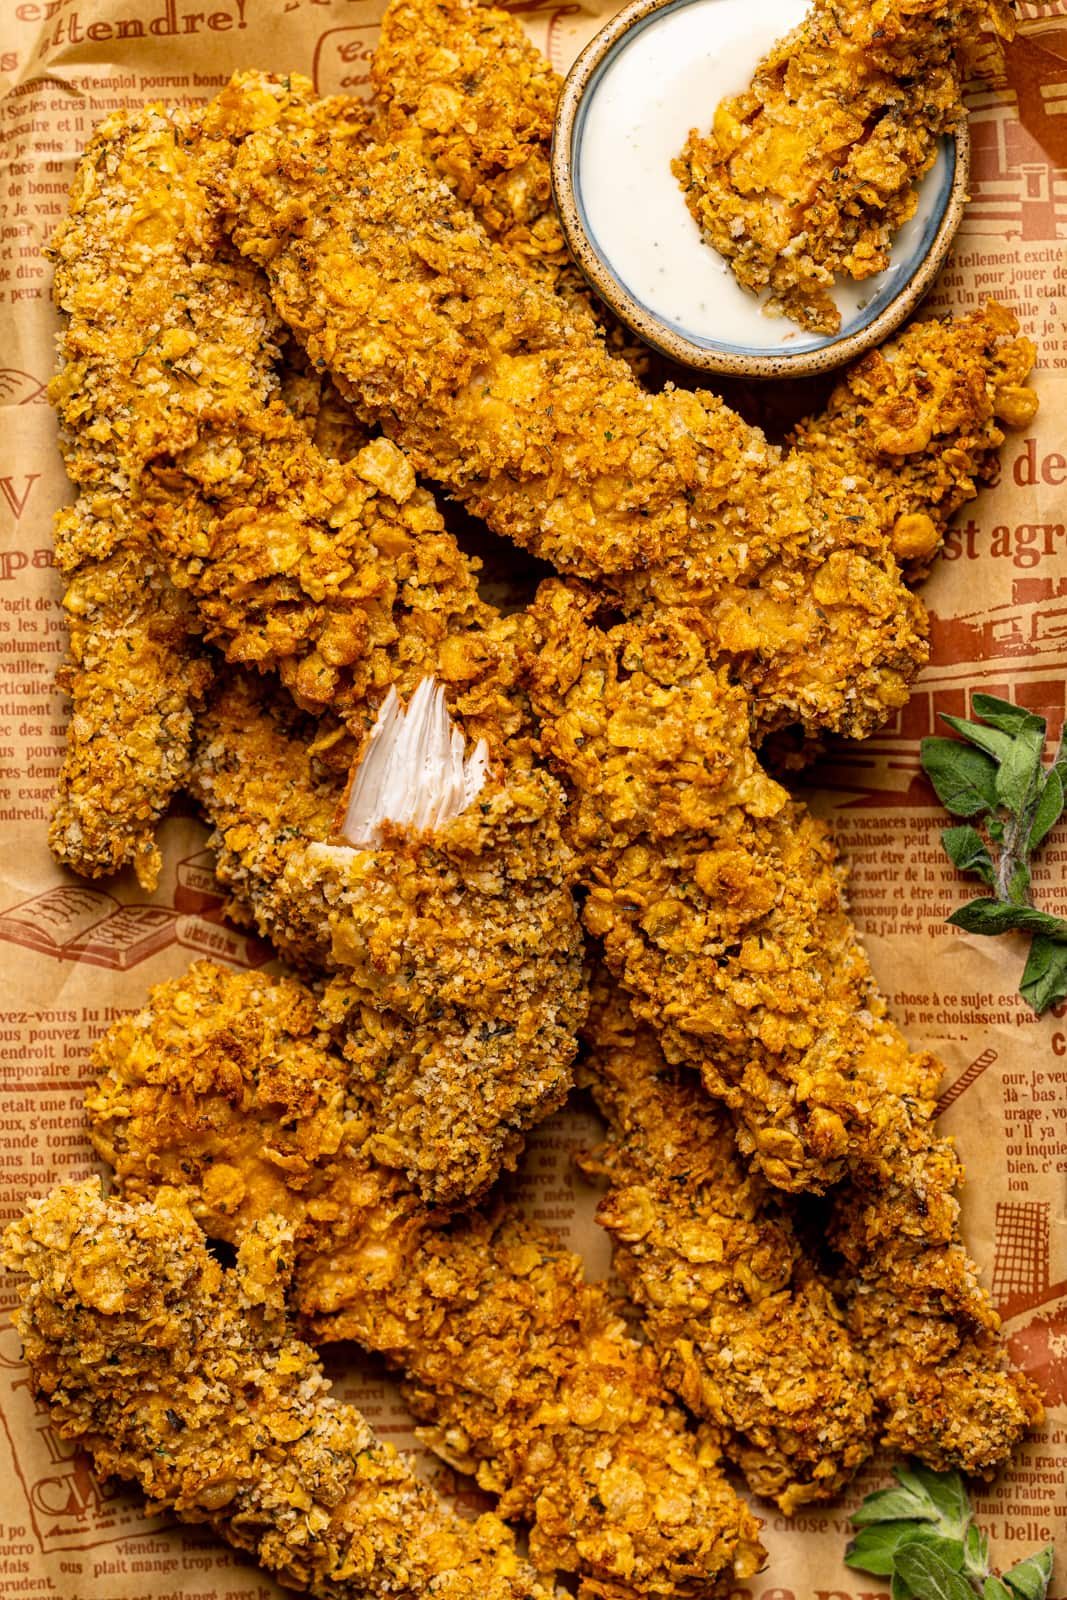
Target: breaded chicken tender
point(500, 391)
point(174, 1375)
point(918, 423)
point(720, 904)
point(942, 1378)
point(228, 1088)
point(811, 170)
point(718, 898)
point(197, 463)
point(746, 1332)
point(463, 84)
point(462, 942)
point(136, 675)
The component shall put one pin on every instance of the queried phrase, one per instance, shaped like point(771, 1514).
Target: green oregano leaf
point(874, 1548)
point(919, 1534)
point(976, 1553)
point(998, 745)
point(946, 1492)
point(966, 849)
point(965, 779)
point(891, 1505)
point(1049, 809)
point(1008, 718)
point(1044, 979)
point(1029, 1579)
point(1018, 774)
point(929, 1576)
point(986, 915)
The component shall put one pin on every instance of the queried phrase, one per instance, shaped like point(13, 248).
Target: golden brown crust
point(464, 943)
point(719, 900)
point(941, 1375)
point(503, 392)
point(463, 85)
point(228, 1087)
point(720, 904)
point(810, 171)
point(160, 1364)
point(136, 676)
point(335, 569)
point(746, 1332)
point(918, 423)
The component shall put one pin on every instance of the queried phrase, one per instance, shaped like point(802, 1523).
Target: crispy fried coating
point(338, 573)
point(136, 676)
point(228, 1087)
point(942, 1377)
point(811, 170)
point(721, 906)
point(463, 943)
point(745, 1330)
point(313, 398)
point(158, 1362)
point(500, 391)
point(919, 422)
point(462, 83)
point(719, 899)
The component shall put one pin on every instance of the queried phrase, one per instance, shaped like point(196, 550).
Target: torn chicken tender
point(499, 391)
point(337, 573)
point(415, 770)
point(747, 1333)
point(463, 943)
point(173, 1375)
point(812, 169)
point(227, 1086)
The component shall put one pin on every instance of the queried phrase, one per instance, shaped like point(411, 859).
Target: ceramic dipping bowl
point(663, 62)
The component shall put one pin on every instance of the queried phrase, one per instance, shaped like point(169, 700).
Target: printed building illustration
point(1021, 1284)
point(1019, 141)
point(1021, 1258)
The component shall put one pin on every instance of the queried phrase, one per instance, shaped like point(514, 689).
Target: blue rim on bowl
point(894, 295)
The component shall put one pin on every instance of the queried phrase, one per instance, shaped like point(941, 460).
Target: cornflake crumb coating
point(196, 453)
point(810, 171)
point(184, 1379)
point(227, 1087)
point(747, 1333)
point(502, 393)
point(720, 903)
point(464, 944)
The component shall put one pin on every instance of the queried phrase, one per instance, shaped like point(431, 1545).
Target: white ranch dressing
point(662, 80)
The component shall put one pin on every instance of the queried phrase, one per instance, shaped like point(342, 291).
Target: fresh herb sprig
point(921, 1535)
point(998, 779)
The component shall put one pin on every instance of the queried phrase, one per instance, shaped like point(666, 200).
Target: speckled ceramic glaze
point(886, 311)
